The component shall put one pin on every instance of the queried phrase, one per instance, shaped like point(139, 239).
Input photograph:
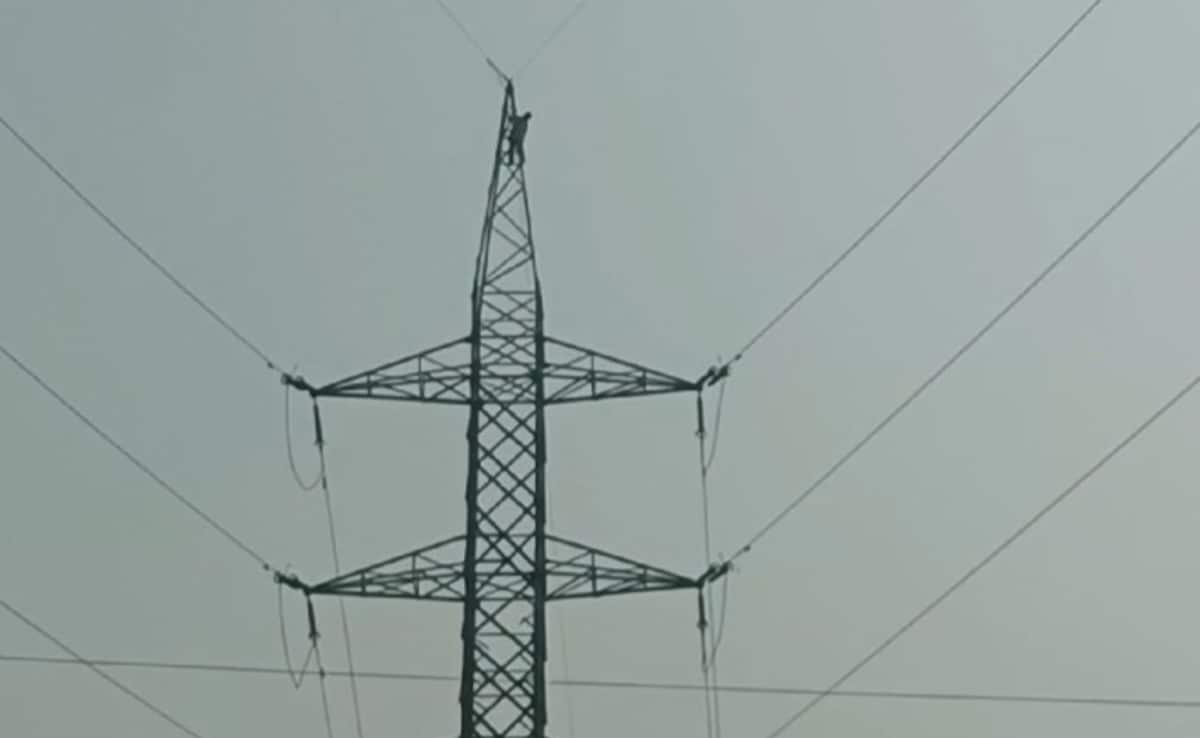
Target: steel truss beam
point(442, 375)
point(435, 572)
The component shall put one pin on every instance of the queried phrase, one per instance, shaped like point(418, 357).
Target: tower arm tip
point(292, 582)
point(714, 572)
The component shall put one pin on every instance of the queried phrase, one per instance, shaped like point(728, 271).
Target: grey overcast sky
point(317, 170)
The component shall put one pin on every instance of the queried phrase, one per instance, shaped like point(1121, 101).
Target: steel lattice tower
point(506, 567)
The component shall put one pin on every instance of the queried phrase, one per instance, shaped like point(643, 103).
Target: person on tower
point(516, 138)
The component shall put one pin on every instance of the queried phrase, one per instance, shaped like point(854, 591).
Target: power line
point(216, 668)
point(296, 677)
point(541, 48)
point(973, 340)
point(291, 454)
point(141, 250)
point(80, 660)
point(711, 456)
point(994, 553)
point(321, 674)
point(141, 466)
point(649, 686)
point(554, 34)
point(337, 567)
point(466, 32)
point(916, 184)
point(708, 658)
point(561, 621)
point(566, 672)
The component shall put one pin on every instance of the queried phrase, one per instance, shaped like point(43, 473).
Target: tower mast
point(505, 567)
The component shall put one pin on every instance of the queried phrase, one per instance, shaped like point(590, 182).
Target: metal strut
point(506, 371)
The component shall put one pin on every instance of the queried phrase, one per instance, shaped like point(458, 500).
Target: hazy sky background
point(317, 172)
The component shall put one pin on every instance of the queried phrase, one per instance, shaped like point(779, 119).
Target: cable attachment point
point(504, 78)
point(294, 676)
point(713, 573)
point(313, 634)
point(717, 373)
point(292, 581)
point(296, 381)
point(714, 375)
point(318, 429)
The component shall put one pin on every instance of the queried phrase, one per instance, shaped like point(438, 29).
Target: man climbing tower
point(516, 138)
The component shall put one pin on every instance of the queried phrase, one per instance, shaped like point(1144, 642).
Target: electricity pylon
point(505, 567)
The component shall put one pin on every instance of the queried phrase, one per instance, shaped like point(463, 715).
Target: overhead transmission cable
point(915, 185)
point(141, 465)
point(322, 674)
point(561, 620)
point(993, 554)
point(138, 247)
point(711, 454)
point(322, 479)
point(972, 341)
point(220, 320)
point(470, 37)
point(76, 658)
point(553, 35)
point(296, 677)
point(708, 646)
point(291, 454)
point(337, 568)
point(647, 686)
point(566, 672)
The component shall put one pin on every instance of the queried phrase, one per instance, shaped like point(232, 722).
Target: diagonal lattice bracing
point(572, 571)
point(442, 374)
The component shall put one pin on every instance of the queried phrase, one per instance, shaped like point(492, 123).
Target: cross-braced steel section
point(506, 372)
point(443, 375)
point(435, 572)
point(502, 687)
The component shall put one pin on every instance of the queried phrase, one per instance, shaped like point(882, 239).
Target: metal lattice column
point(503, 686)
point(506, 567)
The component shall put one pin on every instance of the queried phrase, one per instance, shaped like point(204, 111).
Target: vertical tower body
point(505, 567)
point(503, 688)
